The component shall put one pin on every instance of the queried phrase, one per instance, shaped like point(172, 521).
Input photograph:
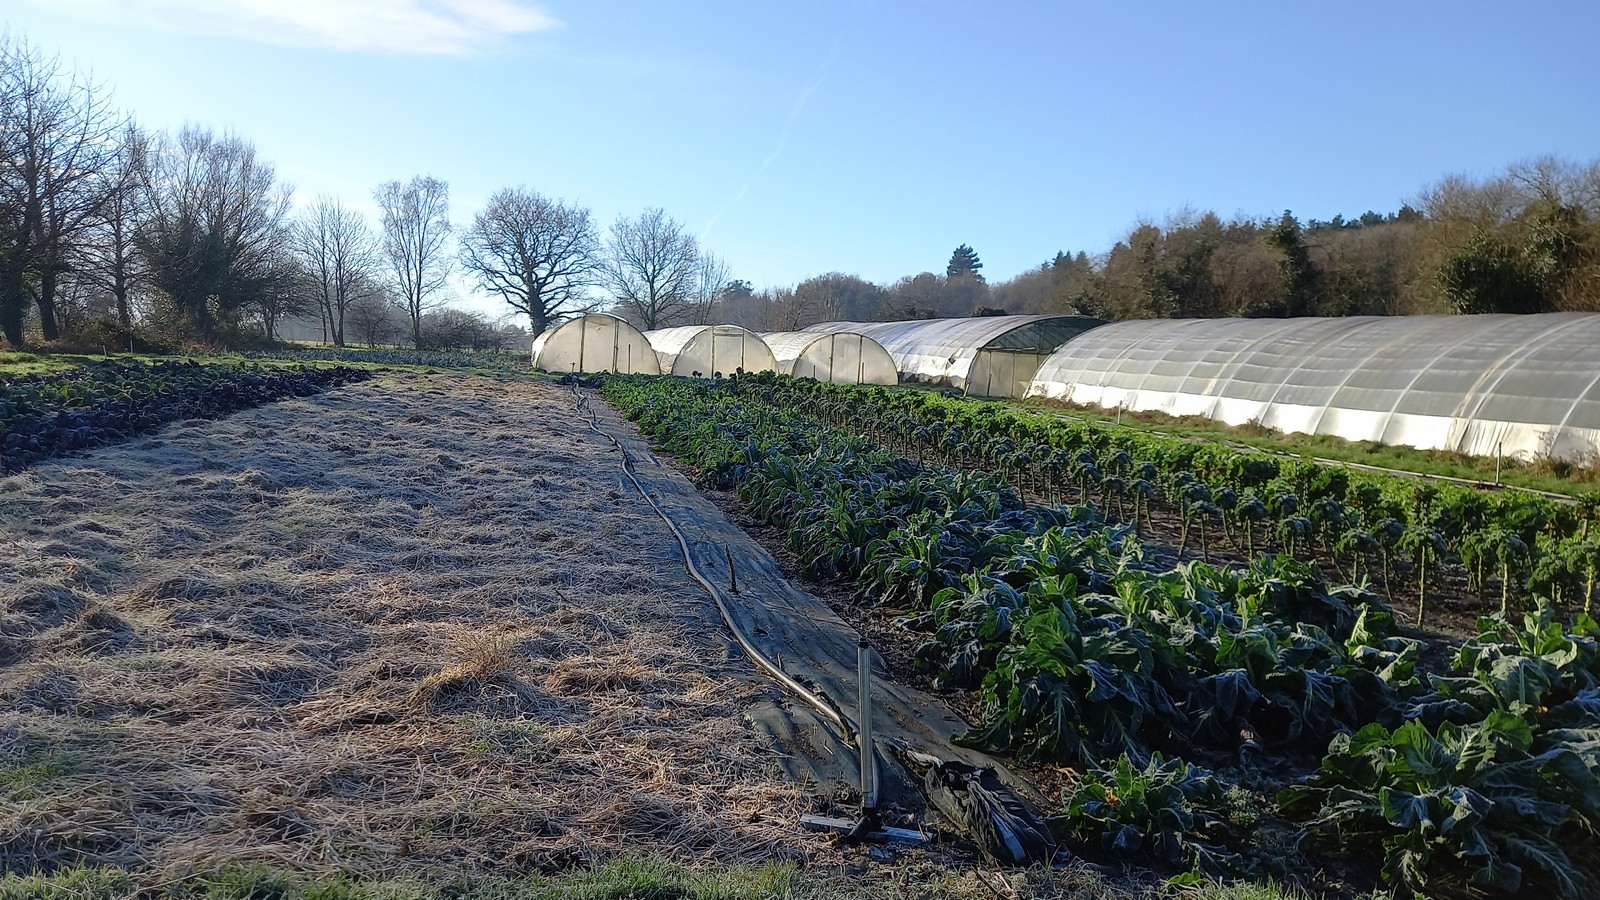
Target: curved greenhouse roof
point(708, 350)
point(595, 343)
point(1522, 385)
point(994, 356)
point(842, 356)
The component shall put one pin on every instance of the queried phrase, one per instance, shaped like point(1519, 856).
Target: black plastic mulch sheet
point(814, 645)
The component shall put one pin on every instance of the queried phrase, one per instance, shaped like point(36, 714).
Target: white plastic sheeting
point(1518, 385)
point(595, 343)
point(991, 356)
point(841, 356)
point(708, 350)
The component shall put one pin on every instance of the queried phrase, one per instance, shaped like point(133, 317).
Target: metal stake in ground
point(865, 749)
point(868, 826)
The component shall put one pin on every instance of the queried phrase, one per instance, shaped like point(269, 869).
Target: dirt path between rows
point(413, 626)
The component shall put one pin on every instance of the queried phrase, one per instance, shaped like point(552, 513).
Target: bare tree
point(538, 254)
point(375, 318)
point(110, 257)
point(915, 297)
point(651, 269)
point(711, 277)
point(789, 309)
point(216, 230)
point(416, 223)
point(739, 304)
point(340, 258)
point(57, 146)
point(285, 292)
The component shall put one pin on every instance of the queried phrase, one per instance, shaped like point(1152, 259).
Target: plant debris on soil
point(406, 627)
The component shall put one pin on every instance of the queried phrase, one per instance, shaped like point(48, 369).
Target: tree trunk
point(46, 301)
point(124, 312)
point(538, 317)
point(12, 304)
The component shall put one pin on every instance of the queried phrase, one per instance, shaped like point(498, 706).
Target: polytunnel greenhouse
point(840, 356)
point(991, 356)
point(595, 343)
point(1518, 385)
point(705, 351)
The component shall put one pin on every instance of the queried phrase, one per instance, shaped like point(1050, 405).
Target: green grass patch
point(14, 363)
point(69, 884)
point(22, 779)
point(1239, 890)
point(635, 879)
point(621, 880)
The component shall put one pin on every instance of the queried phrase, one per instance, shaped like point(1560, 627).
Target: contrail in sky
point(783, 138)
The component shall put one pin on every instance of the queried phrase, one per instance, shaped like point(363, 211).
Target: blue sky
point(871, 138)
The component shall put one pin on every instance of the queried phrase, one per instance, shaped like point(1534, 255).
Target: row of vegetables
point(1509, 546)
point(46, 415)
point(1081, 651)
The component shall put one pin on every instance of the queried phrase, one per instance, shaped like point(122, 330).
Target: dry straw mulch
point(407, 627)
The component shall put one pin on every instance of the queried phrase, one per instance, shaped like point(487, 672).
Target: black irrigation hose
point(821, 702)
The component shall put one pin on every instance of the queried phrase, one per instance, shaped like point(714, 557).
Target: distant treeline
point(110, 234)
point(1522, 241)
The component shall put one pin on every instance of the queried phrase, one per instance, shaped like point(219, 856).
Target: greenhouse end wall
point(709, 350)
point(843, 357)
point(595, 343)
point(987, 355)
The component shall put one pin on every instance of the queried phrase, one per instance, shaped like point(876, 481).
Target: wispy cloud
point(447, 27)
point(795, 110)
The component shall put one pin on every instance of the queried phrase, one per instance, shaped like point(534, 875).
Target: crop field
point(1449, 766)
point(1540, 474)
point(303, 628)
point(1414, 539)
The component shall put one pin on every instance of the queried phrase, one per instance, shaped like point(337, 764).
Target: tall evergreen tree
point(1298, 270)
point(964, 263)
